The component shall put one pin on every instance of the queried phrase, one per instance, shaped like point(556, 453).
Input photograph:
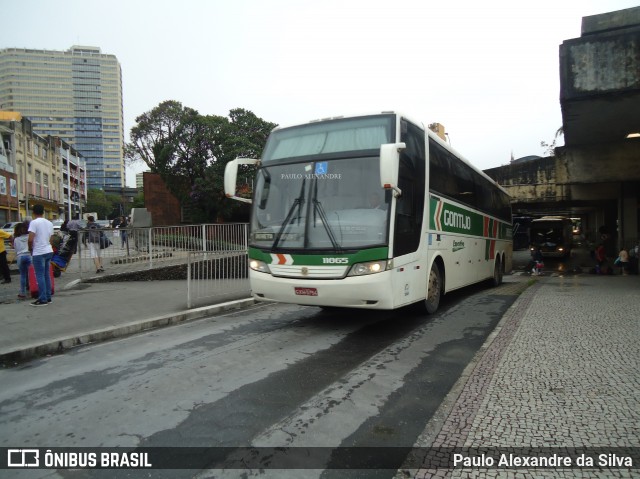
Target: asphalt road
point(270, 376)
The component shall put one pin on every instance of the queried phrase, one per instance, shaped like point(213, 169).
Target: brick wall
point(163, 206)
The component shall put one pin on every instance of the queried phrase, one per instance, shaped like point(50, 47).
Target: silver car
point(8, 227)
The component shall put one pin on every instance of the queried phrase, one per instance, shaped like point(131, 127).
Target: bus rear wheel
point(497, 273)
point(434, 290)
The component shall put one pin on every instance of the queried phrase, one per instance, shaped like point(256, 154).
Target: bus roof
point(430, 134)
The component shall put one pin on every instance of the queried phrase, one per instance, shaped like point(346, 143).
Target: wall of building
point(581, 183)
point(164, 207)
point(9, 210)
point(593, 163)
point(38, 170)
point(531, 181)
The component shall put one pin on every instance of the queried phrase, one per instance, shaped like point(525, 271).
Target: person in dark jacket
point(92, 238)
point(536, 258)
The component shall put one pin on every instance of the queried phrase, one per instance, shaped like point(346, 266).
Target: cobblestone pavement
point(562, 371)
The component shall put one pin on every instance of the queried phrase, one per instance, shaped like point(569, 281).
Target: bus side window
point(410, 205)
point(465, 186)
point(438, 169)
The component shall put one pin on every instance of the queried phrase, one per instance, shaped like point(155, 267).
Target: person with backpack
point(92, 239)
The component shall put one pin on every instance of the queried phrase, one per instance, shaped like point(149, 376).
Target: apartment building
point(36, 169)
point(75, 95)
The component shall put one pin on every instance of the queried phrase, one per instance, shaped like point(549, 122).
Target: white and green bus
point(370, 211)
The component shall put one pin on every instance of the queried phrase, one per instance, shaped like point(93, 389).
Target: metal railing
point(136, 249)
point(214, 256)
point(219, 276)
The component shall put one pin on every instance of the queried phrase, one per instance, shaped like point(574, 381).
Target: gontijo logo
point(449, 218)
point(457, 220)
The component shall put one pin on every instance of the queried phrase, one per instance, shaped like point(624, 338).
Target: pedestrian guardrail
point(138, 249)
point(216, 276)
point(214, 256)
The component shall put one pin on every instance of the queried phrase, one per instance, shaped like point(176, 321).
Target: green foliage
point(138, 201)
point(98, 202)
point(550, 148)
point(190, 152)
point(106, 206)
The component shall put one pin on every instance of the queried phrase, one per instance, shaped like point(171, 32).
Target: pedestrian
point(92, 238)
point(4, 265)
point(536, 259)
point(123, 232)
point(23, 257)
point(601, 259)
point(40, 232)
point(623, 261)
point(74, 224)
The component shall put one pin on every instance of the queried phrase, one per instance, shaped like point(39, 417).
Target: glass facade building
point(75, 95)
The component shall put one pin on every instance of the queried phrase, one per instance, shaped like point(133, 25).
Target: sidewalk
point(560, 372)
point(84, 312)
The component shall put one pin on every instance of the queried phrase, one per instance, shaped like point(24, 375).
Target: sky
point(488, 71)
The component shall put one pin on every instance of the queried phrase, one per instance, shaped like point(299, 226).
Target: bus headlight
point(260, 266)
point(371, 267)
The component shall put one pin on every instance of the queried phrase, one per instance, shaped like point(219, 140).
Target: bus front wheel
point(434, 290)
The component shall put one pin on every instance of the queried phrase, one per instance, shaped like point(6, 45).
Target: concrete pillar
point(629, 200)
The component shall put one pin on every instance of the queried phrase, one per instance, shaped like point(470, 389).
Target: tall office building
point(75, 95)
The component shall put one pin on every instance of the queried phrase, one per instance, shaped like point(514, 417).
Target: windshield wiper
point(297, 203)
point(317, 208)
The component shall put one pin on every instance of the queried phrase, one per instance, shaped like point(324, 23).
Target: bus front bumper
point(371, 291)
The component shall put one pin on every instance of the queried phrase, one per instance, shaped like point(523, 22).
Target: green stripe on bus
point(302, 259)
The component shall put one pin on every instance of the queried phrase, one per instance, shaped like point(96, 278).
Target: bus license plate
point(306, 291)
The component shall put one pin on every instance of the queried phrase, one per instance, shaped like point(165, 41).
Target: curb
point(60, 345)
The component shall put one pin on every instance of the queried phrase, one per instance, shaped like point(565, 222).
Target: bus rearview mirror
point(389, 165)
point(231, 177)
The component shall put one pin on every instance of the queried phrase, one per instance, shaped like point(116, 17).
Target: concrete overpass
point(596, 175)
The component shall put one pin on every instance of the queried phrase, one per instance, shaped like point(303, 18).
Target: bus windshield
point(335, 205)
point(331, 138)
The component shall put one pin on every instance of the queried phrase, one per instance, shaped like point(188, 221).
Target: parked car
point(56, 225)
point(8, 227)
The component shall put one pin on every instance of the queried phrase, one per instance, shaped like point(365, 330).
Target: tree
point(155, 131)
point(190, 152)
point(243, 135)
point(100, 203)
point(549, 148)
point(138, 201)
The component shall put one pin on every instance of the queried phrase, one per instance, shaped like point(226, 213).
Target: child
point(23, 258)
point(623, 256)
point(536, 259)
